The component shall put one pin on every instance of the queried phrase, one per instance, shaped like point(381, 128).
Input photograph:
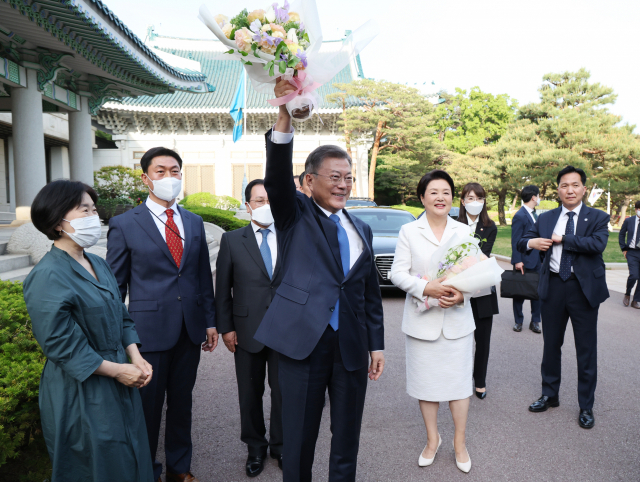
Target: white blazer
point(416, 244)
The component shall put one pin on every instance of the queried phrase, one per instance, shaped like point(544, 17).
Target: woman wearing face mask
point(473, 211)
point(90, 407)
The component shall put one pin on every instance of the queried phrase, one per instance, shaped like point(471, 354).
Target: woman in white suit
point(439, 341)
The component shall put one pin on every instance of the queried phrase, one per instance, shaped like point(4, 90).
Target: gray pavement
point(505, 441)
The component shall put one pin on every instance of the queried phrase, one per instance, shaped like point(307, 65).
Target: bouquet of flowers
point(282, 42)
point(465, 267)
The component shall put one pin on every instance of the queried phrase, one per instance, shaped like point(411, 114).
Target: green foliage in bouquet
point(21, 363)
point(205, 199)
point(239, 21)
point(456, 255)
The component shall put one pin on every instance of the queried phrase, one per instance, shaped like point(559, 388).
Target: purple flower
point(282, 14)
point(283, 57)
point(256, 26)
point(301, 29)
point(302, 56)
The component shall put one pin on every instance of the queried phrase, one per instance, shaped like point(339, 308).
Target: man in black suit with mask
point(248, 272)
point(571, 240)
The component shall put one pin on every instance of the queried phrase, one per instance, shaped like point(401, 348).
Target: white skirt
point(440, 370)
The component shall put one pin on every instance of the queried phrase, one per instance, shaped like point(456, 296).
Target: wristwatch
point(563, 239)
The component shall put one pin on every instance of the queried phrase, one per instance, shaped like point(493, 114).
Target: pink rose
point(244, 39)
point(468, 262)
point(456, 268)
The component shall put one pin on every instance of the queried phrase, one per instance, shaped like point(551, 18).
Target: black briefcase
point(517, 285)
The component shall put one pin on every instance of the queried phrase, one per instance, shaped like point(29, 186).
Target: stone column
point(60, 163)
point(81, 144)
point(12, 176)
point(28, 145)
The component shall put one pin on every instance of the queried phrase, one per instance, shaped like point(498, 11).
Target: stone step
point(16, 274)
point(10, 262)
point(7, 218)
point(3, 247)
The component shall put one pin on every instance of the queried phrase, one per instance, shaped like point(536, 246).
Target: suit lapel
point(365, 245)
point(550, 225)
point(330, 232)
point(251, 245)
point(145, 219)
point(427, 232)
point(188, 233)
point(583, 221)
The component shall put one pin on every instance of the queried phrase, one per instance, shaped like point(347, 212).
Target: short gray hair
point(318, 155)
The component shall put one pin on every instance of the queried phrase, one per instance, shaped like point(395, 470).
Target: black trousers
point(482, 335)
point(633, 261)
point(303, 384)
point(566, 300)
point(174, 372)
point(251, 369)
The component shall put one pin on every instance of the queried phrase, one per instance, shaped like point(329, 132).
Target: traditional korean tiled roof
point(224, 75)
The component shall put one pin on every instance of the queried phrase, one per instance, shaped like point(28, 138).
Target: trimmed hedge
point(207, 200)
point(21, 363)
point(225, 219)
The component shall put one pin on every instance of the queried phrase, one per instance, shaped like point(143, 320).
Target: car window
point(384, 223)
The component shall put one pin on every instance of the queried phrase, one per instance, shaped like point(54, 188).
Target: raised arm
point(594, 244)
point(119, 256)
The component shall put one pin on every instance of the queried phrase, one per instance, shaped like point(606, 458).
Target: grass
point(612, 253)
point(413, 210)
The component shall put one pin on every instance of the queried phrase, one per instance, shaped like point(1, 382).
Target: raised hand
point(283, 88)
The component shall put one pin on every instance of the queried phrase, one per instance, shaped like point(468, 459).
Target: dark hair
point(637, 204)
point(569, 170)
point(479, 191)
point(54, 201)
point(301, 179)
point(432, 176)
point(154, 152)
point(528, 192)
point(247, 191)
point(316, 158)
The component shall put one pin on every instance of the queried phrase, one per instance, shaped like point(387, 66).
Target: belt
point(556, 275)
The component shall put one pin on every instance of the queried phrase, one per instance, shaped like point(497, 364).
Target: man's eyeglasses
point(336, 179)
point(259, 202)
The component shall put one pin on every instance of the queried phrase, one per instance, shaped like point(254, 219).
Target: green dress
point(93, 425)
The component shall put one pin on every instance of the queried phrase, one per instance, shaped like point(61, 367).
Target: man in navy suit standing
point(521, 223)
point(631, 249)
point(571, 240)
point(158, 252)
point(326, 317)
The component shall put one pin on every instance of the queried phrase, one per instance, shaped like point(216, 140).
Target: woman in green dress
point(90, 407)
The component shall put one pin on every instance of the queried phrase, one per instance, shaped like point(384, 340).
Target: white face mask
point(538, 202)
point(87, 231)
point(262, 215)
point(638, 213)
point(474, 208)
point(167, 188)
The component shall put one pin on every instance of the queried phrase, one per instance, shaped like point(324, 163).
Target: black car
point(360, 201)
point(385, 224)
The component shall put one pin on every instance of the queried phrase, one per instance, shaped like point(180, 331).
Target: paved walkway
point(505, 441)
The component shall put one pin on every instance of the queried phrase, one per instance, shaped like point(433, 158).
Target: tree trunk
point(374, 158)
point(618, 209)
point(502, 199)
point(623, 212)
point(515, 200)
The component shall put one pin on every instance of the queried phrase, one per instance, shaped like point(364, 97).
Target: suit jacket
point(243, 288)
point(416, 245)
point(486, 305)
point(161, 295)
point(586, 246)
point(627, 231)
point(313, 278)
point(520, 225)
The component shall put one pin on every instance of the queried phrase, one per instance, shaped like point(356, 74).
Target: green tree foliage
point(465, 121)
point(398, 119)
point(21, 363)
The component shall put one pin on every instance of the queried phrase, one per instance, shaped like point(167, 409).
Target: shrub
point(219, 217)
point(21, 363)
point(113, 182)
point(548, 205)
point(205, 199)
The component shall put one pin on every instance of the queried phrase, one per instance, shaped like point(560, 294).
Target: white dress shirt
point(356, 246)
point(473, 224)
point(632, 244)
point(160, 217)
point(281, 137)
point(271, 242)
point(530, 211)
point(561, 227)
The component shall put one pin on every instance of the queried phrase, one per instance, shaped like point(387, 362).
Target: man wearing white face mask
point(248, 273)
point(158, 253)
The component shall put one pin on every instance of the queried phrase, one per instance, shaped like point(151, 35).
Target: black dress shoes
point(517, 327)
point(543, 403)
point(481, 395)
point(535, 327)
point(586, 419)
point(254, 466)
point(278, 457)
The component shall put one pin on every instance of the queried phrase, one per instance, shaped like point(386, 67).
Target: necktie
point(265, 251)
point(567, 257)
point(535, 215)
point(343, 242)
point(173, 239)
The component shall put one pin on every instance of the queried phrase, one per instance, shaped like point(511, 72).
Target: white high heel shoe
point(466, 466)
point(422, 462)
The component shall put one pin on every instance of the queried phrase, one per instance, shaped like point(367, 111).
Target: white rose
point(227, 29)
point(270, 15)
point(266, 28)
point(291, 35)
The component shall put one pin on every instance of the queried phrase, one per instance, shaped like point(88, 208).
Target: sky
point(501, 46)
